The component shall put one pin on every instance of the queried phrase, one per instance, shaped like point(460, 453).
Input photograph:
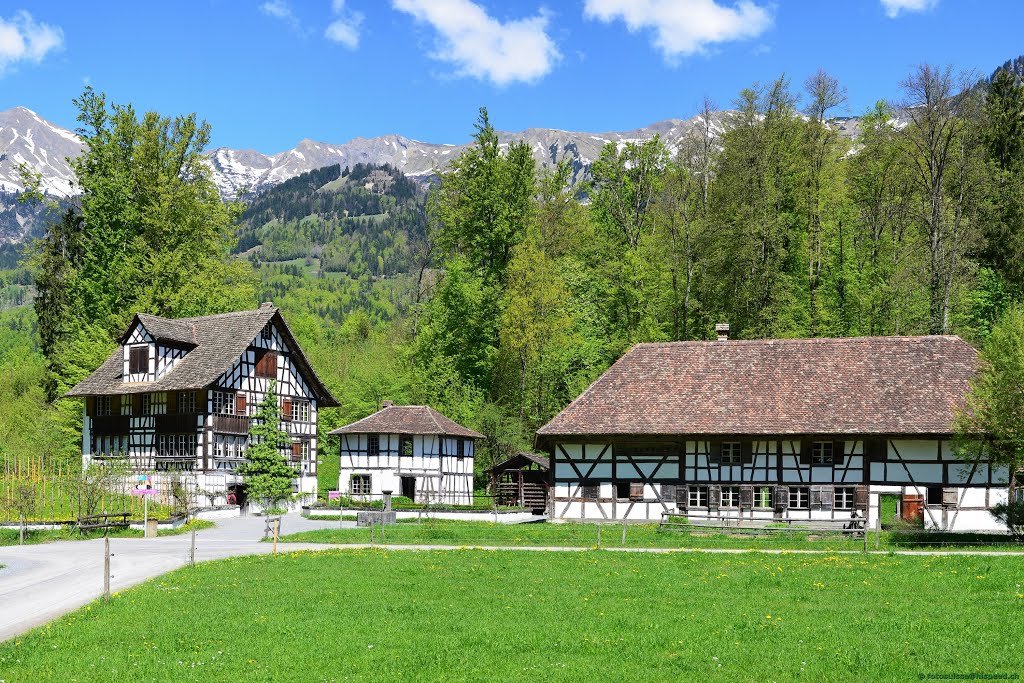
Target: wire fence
point(32, 493)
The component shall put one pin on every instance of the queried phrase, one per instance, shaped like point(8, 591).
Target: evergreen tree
point(268, 476)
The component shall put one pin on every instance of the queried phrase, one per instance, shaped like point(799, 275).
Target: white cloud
point(23, 39)
point(684, 27)
point(483, 47)
point(345, 27)
point(279, 9)
point(893, 8)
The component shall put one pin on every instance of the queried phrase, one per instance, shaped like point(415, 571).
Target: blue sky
point(268, 73)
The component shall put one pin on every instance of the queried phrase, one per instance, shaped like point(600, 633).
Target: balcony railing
point(176, 423)
point(231, 424)
point(111, 424)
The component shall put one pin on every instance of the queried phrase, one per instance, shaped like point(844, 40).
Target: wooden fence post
point(106, 568)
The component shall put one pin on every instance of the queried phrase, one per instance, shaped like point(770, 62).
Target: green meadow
point(471, 615)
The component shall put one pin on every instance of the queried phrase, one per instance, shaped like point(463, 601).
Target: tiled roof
point(218, 341)
point(520, 460)
point(863, 385)
point(408, 420)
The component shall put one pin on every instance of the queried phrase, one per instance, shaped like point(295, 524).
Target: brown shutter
point(950, 497)
point(136, 404)
point(296, 450)
point(747, 452)
point(272, 365)
point(714, 451)
point(240, 407)
point(636, 490)
point(805, 452)
point(115, 405)
point(877, 449)
point(172, 402)
point(747, 496)
point(683, 497)
point(286, 409)
point(90, 406)
point(781, 497)
point(838, 452)
point(860, 497)
point(668, 493)
point(714, 497)
point(822, 497)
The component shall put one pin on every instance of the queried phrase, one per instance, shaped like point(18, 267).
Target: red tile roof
point(408, 420)
point(862, 385)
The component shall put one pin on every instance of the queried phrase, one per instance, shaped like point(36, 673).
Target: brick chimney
point(722, 330)
point(267, 304)
point(386, 404)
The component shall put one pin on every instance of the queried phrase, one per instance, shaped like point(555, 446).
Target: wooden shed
point(522, 480)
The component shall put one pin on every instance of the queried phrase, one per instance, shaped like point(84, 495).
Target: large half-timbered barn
point(177, 395)
point(412, 451)
point(806, 429)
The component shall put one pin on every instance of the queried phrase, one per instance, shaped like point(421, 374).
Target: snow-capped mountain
point(27, 138)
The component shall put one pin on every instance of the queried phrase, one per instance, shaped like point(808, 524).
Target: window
point(186, 402)
point(126, 405)
point(300, 411)
point(176, 446)
point(763, 497)
point(590, 491)
point(304, 450)
point(180, 465)
point(844, 497)
point(107, 445)
point(698, 497)
point(154, 404)
point(822, 453)
point(622, 490)
point(138, 360)
point(359, 485)
point(405, 446)
point(799, 497)
point(730, 496)
point(266, 364)
point(267, 333)
point(226, 446)
point(103, 406)
point(934, 495)
point(224, 402)
point(732, 453)
point(373, 444)
point(460, 449)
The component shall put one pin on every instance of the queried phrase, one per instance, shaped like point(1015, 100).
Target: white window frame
point(224, 402)
point(360, 484)
point(823, 453)
point(730, 497)
point(154, 403)
point(731, 453)
point(697, 497)
point(762, 494)
point(300, 411)
point(104, 406)
point(843, 497)
point(187, 402)
point(800, 497)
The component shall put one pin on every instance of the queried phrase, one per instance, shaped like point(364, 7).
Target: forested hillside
point(505, 292)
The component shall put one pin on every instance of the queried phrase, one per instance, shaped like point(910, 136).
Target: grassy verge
point(484, 616)
point(637, 536)
point(70, 533)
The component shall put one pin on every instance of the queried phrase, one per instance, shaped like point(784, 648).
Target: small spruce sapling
point(268, 476)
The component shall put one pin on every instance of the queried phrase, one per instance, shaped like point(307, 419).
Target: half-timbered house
point(412, 451)
point(177, 395)
point(800, 429)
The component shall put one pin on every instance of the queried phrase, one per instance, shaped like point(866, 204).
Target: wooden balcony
point(111, 424)
point(177, 423)
point(231, 424)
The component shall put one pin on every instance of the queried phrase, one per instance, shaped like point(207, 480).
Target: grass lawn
point(637, 536)
point(512, 616)
point(70, 533)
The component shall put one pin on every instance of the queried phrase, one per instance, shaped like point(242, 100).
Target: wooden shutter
point(860, 497)
point(747, 453)
point(781, 497)
point(668, 493)
point(822, 497)
point(950, 497)
point(172, 402)
point(838, 452)
point(115, 405)
point(714, 451)
point(136, 404)
point(683, 497)
point(636, 490)
point(286, 409)
point(876, 450)
point(90, 406)
point(296, 450)
point(240, 406)
point(747, 496)
point(714, 497)
point(805, 452)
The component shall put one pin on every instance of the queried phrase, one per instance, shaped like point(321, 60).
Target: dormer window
point(138, 360)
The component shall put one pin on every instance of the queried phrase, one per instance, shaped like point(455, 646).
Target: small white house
point(411, 451)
